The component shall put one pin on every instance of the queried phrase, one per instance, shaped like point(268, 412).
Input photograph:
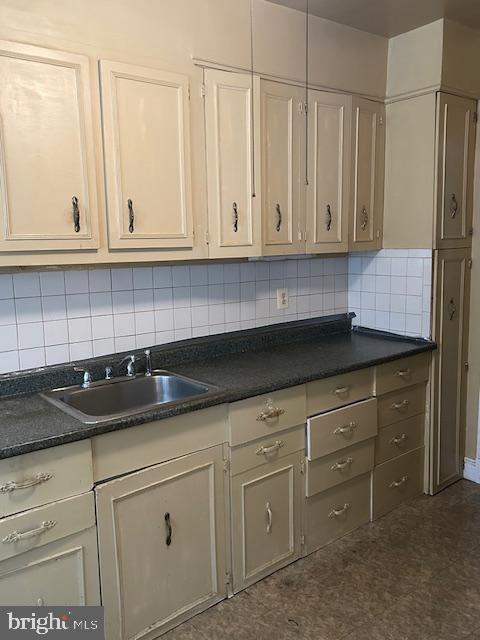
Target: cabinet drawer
point(37, 527)
point(397, 480)
point(266, 450)
point(341, 428)
point(333, 513)
point(337, 467)
point(401, 373)
point(400, 437)
point(400, 405)
point(263, 415)
point(330, 393)
point(43, 476)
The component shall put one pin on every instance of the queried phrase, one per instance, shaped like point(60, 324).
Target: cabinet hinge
point(305, 107)
point(203, 90)
point(381, 121)
point(302, 466)
point(470, 231)
point(228, 579)
point(207, 237)
point(470, 263)
point(226, 465)
point(188, 92)
point(302, 540)
point(467, 366)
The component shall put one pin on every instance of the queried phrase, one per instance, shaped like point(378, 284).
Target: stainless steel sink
point(121, 397)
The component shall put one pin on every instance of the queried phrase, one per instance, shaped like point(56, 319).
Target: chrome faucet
point(87, 378)
point(148, 362)
point(130, 360)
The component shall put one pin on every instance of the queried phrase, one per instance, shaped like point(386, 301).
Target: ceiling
point(390, 17)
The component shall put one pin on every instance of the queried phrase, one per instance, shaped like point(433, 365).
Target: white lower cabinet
point(162, 537)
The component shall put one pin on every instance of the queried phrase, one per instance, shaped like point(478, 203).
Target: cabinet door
point(366, 224)
point(266, 519)
point(282, 140)
point(47, 170)
point(449, 383)
point(232, 114)
point(329, 127)
point(162, 544)
point(456, 157)
point(146, 125)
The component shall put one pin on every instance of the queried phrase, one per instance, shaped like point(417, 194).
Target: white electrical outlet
point(282, 298)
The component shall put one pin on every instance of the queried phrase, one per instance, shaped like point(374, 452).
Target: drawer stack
point(340, 456)
point(399, 446)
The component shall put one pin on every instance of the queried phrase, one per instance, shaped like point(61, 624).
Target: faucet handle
point(108, 373)
point(87, 378)
point(130, 360)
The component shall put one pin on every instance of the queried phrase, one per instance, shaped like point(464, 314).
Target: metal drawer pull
point(328, 219)
point(270, 412)
point(279, 217)
point(399, 439)
point(273, 448)
point(403, 373)
point(343, 464)
point(364, 218)
point(341, 391)
point(400, 406)
point(348, 428)
point(336, 511)
point(168, 525)
point(16, 536)
point(235, 217)
point(12, 485)
point(453, 206)
point(76, 214)
point(269, 518)
point(131, 216)
point(452, 309)
point(398, 483)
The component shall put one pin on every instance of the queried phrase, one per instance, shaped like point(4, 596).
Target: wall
point(461, 52)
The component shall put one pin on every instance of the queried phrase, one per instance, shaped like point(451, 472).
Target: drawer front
point(267, 414)
point(401, 373)
point(330, 393)
point(399, 438)
point(341, 428)
point(333, 513)
point(337, 467)
point(266, 450)
point(401, 405)
point(37, 527)
point(43, 476)
point(397, 480)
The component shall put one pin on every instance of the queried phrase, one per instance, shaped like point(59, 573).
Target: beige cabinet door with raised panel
point(48, 196)
point(162, 544)
point(449, 380)
point(232, 115)
point(329, 132)
point(368, 160)
point(456, 157)
point(282, 127)
point(146, 127)
point(266, 519)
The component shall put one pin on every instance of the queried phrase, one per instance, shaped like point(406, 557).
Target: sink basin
point(121, 397)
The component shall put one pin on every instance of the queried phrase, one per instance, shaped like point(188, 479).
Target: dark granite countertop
point(241, 365)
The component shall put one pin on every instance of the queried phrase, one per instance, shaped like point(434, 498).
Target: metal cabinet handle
point(13, 485)
point(131, 216)
point(270, 412)
point(168, 525)
point(235, 217)
point(347, 428)
point(364, 222)
point(341, 464)
point(453, 206)
point(403, 373)
point(279, 217)
point(76, 214)
point(452, 309)
point(398, 483)
point(339, 511)
point(17, 536)
point(399, 439)
point(273, 448)
point(269, 517)
point(341, 391)
point(328, 219)
point(400, 406)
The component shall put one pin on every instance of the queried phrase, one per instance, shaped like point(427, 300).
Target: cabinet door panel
point(147, 151)
point(456, 143)
point(232, 169)
point(47, 170)
point(329, 144)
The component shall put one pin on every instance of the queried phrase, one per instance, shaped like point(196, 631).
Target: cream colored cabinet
point(146, 128)
point(455, 163)
point(449, 380)
point(232, 114)
point(329, 144)
point(266, 519)
point(162, 544)
point(283, 130)
point(368, 166)
point(48, 196)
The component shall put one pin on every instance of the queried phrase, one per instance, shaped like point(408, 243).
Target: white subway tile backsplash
point(8, 338)
point(52, 283)
point(124, 324)
point(56, 354)
point(28, 310)
point(7, 312)
point(78, 305)
point(164, 320)
point(101, 303)
point(55, 332)
point(102, 327)
point(143, 278)
point(26, 285)
point(54, 307)
point(103, 346)
point(79, 329)
point(76, 281)
point(81, 350)
point(144, 322)
point(122, 279)
point(30, 335)
point(6, 287)
point(162, 277)
point(99, 280)
point(32, 358)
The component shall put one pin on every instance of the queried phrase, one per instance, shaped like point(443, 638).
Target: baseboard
point(471, 470)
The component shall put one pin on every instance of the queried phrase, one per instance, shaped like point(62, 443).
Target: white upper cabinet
point(282, 141)
point(48, 196)
point(368, 175)
point(232, 110)
point(329, 132)
point(146, 127)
